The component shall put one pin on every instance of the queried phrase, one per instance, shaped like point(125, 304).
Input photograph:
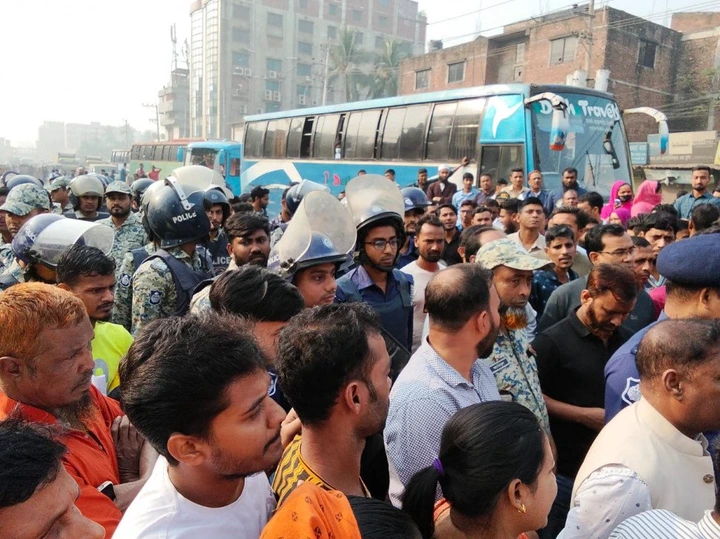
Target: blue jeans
point(560, 508)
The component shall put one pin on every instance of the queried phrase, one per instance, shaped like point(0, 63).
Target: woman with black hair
point(495, 469)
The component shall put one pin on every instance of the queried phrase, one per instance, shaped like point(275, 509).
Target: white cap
point(444, 167)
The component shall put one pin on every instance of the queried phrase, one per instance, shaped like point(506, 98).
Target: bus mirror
point(181, 154)
point(559, 128)
point(661, 120)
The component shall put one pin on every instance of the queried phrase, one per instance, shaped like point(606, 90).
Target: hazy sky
point(100, 60)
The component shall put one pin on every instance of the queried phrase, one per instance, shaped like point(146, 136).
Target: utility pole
point(588, 38)
point(127, 137)
point(156, 120)
point(326, 73)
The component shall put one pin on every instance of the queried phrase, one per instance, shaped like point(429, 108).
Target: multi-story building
point(173, 110)
point(252, 56)
point(51, 140)
point(642, 58)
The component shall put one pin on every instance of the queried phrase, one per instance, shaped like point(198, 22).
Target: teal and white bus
point(499, 127)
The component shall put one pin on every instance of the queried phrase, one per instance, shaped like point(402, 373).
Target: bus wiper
point(610, 147)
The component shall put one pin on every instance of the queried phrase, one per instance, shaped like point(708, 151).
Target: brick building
point(643, 58)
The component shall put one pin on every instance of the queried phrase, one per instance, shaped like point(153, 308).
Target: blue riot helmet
point(44, 238)
point(20, 179)
point(6, 177)
point(298, 191)
point(214, 195)
point(321, 232)
point(415, 199)
point(138, 188)
point(176, 213)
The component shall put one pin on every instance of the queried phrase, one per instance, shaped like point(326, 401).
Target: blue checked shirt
point(427, 393)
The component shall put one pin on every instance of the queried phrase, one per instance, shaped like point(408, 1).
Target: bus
point(68, 162)
point(499, 127)
point(221, 155)
point(118, 157)
point(166, 155)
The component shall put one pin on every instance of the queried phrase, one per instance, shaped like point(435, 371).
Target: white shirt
point(422, 278)
point(539, 244)
point(663, 524)
point(606, 498)
point(161, 512)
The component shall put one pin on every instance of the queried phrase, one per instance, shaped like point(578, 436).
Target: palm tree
point(387, 66)
point(345, 59)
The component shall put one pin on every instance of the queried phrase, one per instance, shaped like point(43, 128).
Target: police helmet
point(321, 232)
point(6, 177)
point(43, 239)
point(20, 179)
point(214, 195)
point(198, 177)
point(298, 191)
point(415, 199)
point(372, 197)
point(87, 186)
point(138, 188)
point(176, 213)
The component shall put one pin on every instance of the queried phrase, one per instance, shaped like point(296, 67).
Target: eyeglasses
point(620, 252)
point(381, 244)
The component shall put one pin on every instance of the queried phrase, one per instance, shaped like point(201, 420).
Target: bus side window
point(438, 140)
point(254, 139)
point(159, 152)
point(295, 137)
point(326, 134)
point(392, 132)
point(464, 138)
point(412, 146)
point(235, 167)
point(307, 133)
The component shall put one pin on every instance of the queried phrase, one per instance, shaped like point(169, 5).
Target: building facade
point(254, 56)
point(173, 106)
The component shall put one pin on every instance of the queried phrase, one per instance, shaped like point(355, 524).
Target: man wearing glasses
point(605, 244)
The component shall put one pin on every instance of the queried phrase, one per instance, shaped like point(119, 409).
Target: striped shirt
point(293, 471)
point(662, 524)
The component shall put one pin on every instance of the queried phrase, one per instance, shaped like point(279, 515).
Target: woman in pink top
point(621, 196)
point(648, 196)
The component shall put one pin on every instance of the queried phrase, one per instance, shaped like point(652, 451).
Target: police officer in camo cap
point(60, 193)
point(505, 252)
point(23, 202)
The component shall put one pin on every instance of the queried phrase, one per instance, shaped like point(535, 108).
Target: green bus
point(163, 155)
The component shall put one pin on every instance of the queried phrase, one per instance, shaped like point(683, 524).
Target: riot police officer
point(316, 242)
point(138, 188)
point(60, 194)
point(217, 208)
point(88, 192)
point(41, 242)
point(163, 284)
point(23, 202)
point(377, 208)
point(292, 201)
point(416, 203)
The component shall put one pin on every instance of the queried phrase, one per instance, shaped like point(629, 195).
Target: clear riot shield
point(371, 197)
point(200, 177)
point(60, 236)
point(321, 231)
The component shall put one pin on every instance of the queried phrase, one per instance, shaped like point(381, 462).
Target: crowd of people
point(494, 361)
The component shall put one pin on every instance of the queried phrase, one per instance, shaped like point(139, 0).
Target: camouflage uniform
point(130, 235)
point(200, 302)
point(122, 307)
point(153, 288)
point(6, 256)
point(11, 275)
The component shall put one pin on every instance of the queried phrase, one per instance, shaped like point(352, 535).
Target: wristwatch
point(108, 489)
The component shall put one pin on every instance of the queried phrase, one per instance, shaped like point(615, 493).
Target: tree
point(387, 67)
point(346, 58)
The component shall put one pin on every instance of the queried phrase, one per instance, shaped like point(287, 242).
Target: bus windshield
point(202, 156)
point(595, 144)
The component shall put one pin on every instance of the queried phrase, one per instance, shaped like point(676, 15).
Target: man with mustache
point(571, 356)
point(513, 366)
point(217, 208)
point(416, 203)
point(90, 274)
point(21, 203)
point(196, 387)
point(560, 249)
point(46, 367)
point(531, 218)
point(129, 232)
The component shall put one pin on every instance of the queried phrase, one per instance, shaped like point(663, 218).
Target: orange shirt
point(91, 457)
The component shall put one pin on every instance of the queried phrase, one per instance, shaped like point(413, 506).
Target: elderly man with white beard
point(511, 360)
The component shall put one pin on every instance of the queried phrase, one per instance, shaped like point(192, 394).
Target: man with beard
point(90, 275)
point(444, 374)
point(442, 191)
point(416, 203)
point(217, 209)
point(701, 177)
point(248, 243)
point(197, 389)
point(46, 368)
point(429, 242)
point(129, 232)
point(334, 369)
point(448, 217)
point(513, 366)
point(569, 181)
point(571, 356)
point(507, 220)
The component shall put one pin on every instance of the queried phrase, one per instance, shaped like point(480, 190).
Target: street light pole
point(156, 121)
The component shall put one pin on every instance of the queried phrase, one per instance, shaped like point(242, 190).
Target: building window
point(332, 32)
point(646, 56)
point(304, 70)
point(303, 4)
point(304, 48)
point(240, 59)
point(563, 50)
point(241, 12)
point(275, 19)
point(356, 14)
point(379, 42)
point(306, 27)
point(383, 20)
point(241, 35)
point(272, 85)
point(273, 64)
point(456, 72)
point(517, 74)
point(333, 9)
point(422, 79)
point(520, 53)
point(359, 38)
point(384, 3)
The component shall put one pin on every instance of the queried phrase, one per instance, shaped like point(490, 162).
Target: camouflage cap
point(57, 183)
point(24, 198)
point(505, 252)
point(118, 187)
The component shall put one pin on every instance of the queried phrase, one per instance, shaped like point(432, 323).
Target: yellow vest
point(109, 346)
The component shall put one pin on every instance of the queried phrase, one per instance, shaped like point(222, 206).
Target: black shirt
point(571, 363)
point(450, 254)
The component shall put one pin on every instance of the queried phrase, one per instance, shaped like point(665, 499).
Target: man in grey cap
point(693, 291)
point(514, 368)
point(129, 232)
point(60, 194)
point(23, 202)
